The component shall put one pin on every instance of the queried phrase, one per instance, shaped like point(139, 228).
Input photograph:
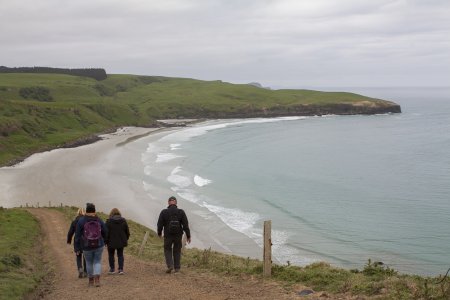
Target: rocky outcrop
point(81, 141)
point(357, 108)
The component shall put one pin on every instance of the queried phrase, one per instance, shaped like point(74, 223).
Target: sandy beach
point(102, 173)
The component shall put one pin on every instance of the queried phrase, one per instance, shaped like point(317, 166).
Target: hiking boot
point(84, 274)
point(97, 280)
point(121, 272)
point(80, 273)
point(169, 270)
point(91, 281)
point(177, 270)
point(111, 271)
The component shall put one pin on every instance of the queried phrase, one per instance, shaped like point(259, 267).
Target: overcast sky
point(278, 43)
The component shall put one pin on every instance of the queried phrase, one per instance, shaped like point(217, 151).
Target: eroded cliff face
point(357, 108)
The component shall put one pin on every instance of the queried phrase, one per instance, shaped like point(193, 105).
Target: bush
point(103, 90)
point(38, 93)
point(378, 269)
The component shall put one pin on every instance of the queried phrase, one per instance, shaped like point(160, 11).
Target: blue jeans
point(93, 261)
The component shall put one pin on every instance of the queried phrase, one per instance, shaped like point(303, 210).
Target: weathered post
point(267, 259)
point(143, 243)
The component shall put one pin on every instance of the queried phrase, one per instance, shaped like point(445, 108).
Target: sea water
point(340, 189)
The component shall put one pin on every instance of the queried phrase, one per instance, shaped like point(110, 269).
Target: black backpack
point(174, 226)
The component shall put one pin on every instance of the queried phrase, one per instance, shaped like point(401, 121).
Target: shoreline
point(104, 172)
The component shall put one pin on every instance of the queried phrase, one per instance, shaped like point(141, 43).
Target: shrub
point(38, 93)
point(378, 269)
point(103, 90)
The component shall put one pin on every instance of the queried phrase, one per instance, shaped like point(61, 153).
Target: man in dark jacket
point(174, 221)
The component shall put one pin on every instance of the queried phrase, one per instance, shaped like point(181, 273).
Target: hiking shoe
point(177, 270)
point(111, 271)
point(97, 280)
point(121, 272)
point(169, 270)
point(80, 274)
point(91, 281)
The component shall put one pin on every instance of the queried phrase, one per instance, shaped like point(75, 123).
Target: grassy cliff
point(44, 111)
point(21, 264)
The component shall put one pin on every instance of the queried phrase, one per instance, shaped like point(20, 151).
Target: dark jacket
point(118, 232)
point(79, 232)
point(73, 227)
point(164, 219)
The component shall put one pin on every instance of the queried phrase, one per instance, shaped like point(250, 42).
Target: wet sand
point(107, 174)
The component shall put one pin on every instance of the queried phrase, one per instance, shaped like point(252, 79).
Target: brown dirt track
point(142, 280)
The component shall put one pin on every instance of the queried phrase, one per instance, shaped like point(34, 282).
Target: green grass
point(20, 261)
point(74, 107)
point(373, 280)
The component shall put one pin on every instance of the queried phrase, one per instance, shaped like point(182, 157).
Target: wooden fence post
point(267, 264)
point(143, 243)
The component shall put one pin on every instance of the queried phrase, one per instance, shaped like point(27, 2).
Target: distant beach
point(101, 173)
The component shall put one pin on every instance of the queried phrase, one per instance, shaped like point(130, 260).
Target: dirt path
point(142, 280)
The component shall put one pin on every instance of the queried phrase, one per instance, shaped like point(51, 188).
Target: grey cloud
point(276, 42)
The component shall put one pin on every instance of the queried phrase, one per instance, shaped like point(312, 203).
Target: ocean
point(340, 189)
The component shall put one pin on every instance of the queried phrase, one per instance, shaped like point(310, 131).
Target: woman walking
point(89, 238)
point(116, 239)
point(81, 262)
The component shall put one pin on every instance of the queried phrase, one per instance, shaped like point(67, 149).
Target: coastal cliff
point(362, 108)
point(42, 111)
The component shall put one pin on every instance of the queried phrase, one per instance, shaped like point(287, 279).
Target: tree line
point(96, 73)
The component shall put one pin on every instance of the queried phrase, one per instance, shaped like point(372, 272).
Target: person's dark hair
point(172, 198)
point(115, 212)
point(90, 208)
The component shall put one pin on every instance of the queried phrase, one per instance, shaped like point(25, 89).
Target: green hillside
point(44, 111)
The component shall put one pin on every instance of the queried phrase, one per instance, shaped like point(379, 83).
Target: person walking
point(79, 258)
point(116, 239)
point(89, 237)
point(174, 221)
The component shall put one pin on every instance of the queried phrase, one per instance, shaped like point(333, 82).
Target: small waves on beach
point(166, 165)
point(199, 181)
